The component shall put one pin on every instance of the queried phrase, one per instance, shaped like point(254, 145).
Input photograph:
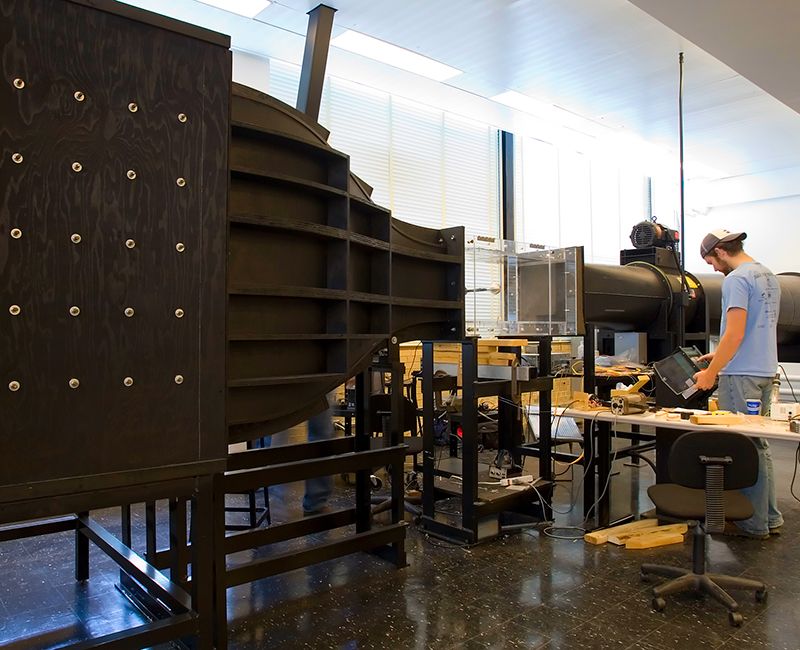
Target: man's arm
point(726, 350)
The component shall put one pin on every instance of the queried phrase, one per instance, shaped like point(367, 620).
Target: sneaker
point(775, 531)
point(734, 530)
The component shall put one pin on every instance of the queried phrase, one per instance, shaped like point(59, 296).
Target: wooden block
point(714, 418)
point(653, 540)
point(503, 343)
point(620, 539)
point(601, 536)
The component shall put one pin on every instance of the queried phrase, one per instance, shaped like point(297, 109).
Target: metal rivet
point(76, 167)
point(179, 313)
point(79, 96)
point(181, 181)
point(17, 158)
point(74, 383)
point(130, 243)
point(394, 340)
point(19, 83)
point(128, 381)
point(182, 117)
point(16, 233)
point(132, 107)
point(14, 310)
point(13, 386)
point(452, 237)
point(178, 379)
point(75, 238)
point(180, 247)
point(129, 312)
point(131, 174)
point(74, 311)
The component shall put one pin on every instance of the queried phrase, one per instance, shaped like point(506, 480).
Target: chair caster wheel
point(375, 482)
point(658, 604)
point(644, 577)
point(762, 596)
point(735, 619)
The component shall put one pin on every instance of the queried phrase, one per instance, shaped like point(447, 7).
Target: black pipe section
point(631, 298)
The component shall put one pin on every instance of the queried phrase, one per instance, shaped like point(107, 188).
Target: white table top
point(753, 425)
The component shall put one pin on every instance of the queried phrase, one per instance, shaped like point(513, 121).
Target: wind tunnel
point(642, 296)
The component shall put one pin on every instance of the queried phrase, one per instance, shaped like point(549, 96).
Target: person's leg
point(774, 516)
point(318, 490)
point(734, 390)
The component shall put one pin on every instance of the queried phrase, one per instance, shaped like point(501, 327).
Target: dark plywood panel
point(96, 121)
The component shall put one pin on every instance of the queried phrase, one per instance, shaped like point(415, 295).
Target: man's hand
point(707, 357)
point(705, 379)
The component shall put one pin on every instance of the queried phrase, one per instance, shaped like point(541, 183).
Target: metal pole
point(315, 58)
point(684, 293)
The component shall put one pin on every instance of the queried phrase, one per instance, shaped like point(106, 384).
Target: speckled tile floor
point(522, 591)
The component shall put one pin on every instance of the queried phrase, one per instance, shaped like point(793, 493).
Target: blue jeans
point(318, 489)
point(733, 391)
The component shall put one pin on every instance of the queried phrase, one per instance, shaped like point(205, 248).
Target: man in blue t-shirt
point(746, 358)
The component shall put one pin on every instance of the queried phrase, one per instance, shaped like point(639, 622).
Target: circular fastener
point(19, 84)
point(16, 233)
point(76, 167)
point(14, 310)
point(79, 96)
point(180, 247)
point(394, 340)
point(132, 107)
point(130, 243)
point(74, 311)
point(181, 181)
point(128, 381)
point(178, 379)
point(131, 175)
point(13, 386)
point(182, 118)
point(74, 383)
point(129, 312)
point(75, 238)
point(17, 158)
point(179, 313)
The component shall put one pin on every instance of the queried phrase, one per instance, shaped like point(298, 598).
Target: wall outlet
point(784, 410)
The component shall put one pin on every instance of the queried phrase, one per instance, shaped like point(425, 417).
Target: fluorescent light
point(524, 103)
point(246, 8)
point(395, 56)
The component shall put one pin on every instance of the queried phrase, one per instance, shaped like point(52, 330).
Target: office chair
point(709, 468)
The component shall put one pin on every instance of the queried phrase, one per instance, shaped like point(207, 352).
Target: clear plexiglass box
point(515, 288)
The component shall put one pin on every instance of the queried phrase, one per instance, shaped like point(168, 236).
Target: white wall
point(765, 206)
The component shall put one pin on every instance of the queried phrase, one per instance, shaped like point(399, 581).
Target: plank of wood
point(653, 540)
point(622, 538)
point(601, 536)
point(713, 418)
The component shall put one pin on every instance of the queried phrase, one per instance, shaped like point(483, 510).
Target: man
point(746, 358)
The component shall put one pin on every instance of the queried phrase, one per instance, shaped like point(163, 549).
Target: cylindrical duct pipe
point(788, 318)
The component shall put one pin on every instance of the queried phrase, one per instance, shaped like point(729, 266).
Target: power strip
point(517, 480)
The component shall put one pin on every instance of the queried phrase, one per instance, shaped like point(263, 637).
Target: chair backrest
point(685, 467)
point(382, 403)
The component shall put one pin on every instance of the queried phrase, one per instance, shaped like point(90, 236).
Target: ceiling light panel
point(393, 55)
point(246, 8)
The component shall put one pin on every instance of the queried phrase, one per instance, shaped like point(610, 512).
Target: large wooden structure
point(185, 264)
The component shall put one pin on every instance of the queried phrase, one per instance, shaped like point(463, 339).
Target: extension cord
point(517, 480)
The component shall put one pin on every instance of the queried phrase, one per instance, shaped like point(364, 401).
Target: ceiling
point(606, 60)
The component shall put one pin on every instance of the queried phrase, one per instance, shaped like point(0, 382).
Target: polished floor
point(526, 590)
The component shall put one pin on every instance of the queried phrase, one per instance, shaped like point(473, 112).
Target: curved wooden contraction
point(319, 276)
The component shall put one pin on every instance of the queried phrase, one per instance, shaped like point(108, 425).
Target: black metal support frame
point(476, 508)
point(179, 610)
point(287, 463)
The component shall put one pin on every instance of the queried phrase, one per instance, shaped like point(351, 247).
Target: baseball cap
point(715, 237)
